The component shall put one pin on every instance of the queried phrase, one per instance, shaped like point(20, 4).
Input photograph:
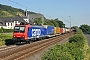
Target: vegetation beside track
point(2, 30)
point(5, 39)
point(75, 49)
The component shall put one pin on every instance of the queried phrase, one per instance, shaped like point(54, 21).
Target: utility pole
point(42, 19)
point(70, 23)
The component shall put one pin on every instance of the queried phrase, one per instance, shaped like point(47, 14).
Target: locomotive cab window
point(19, 28)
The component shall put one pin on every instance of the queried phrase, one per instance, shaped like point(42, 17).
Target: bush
point(76, 38)
point(72, 50)
point(57, 53)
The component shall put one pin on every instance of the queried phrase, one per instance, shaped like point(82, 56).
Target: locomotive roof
point(40, 26)
point(37, 26)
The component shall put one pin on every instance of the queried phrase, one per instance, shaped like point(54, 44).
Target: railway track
point(26, 50)
point(7, 48)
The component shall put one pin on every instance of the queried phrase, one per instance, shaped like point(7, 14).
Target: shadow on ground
point(9, 42)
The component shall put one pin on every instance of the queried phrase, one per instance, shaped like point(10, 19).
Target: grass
point(5, 38)
point(87, 54)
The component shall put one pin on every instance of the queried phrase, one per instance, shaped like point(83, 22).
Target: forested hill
point(8, 11)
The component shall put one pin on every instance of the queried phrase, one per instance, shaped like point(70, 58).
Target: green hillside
point(8, 11)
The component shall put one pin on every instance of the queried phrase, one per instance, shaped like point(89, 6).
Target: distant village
point(9, 23)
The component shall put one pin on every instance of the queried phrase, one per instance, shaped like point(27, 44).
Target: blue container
point(36, 31)
point(49, 29)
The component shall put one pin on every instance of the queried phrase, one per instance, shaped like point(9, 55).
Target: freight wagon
point(49, 30)
point(64, 30)
point(61, 30)
point(56, 31)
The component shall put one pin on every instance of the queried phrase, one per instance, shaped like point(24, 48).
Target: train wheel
point(40, 38)
point(43, 38)
point(28, 42)
point(32, 40)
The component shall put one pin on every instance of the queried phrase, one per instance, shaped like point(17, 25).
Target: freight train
point(27, 32)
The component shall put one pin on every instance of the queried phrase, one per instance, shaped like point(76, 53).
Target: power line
point(17, 3)
point(22, 5)
point(66, 19)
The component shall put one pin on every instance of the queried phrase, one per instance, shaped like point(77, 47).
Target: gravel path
point(38, 55)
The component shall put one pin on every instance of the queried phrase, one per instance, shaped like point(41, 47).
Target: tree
point(48, 22)
point(85, 28)
point(75, 27)
point(54, 22)
point(38, 21)
point(59, 23)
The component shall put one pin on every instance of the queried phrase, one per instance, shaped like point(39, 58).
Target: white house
point(9, 23)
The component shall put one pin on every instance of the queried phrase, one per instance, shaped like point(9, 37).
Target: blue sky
point(78, 10)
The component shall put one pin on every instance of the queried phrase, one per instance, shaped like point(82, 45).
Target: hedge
point(6, 30)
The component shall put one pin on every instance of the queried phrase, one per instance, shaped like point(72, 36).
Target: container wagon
point(49, 30)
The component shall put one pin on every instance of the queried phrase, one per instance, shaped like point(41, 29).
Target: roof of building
point(12, 19)
point(24, 17)
point(2, 23)
point(18, 18)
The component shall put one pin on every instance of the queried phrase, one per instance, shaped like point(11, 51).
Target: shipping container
point(67, 30)
point(64, 30)
point(49, 29)
point(55, 30)
point(61, 30)
point(58, 30)
point(36, 32)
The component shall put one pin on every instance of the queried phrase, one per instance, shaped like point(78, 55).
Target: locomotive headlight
point(22, 36)
point(14, 35)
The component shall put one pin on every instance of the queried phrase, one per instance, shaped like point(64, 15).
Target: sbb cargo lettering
point(36, 32)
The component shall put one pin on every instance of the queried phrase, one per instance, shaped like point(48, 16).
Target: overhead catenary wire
point(66, 19)
point(23, 6)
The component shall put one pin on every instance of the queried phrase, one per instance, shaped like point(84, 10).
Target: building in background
point(31, 17)
point(9, 23)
